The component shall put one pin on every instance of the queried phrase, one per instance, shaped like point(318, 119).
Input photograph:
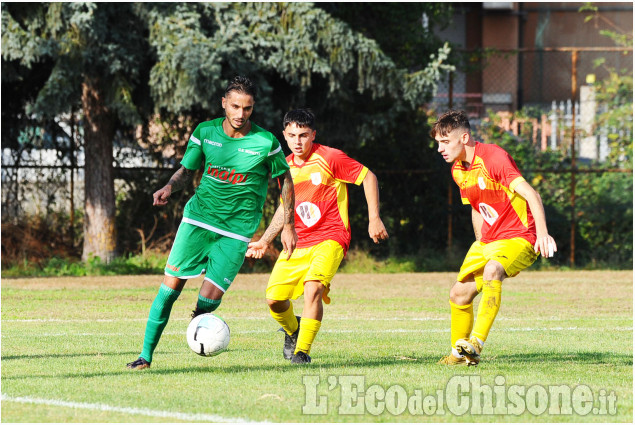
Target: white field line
point(334, 331)
point(189, 417)
point(369, 319)
point(418, 319)
point(414, 331)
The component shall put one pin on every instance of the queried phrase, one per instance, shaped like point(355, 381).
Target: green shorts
point(197, 250)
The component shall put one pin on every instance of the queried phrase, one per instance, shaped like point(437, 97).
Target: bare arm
point(477, 223)
point(283, 219)
point(275, 226)
point(258, 248)
point(289, 237)
point(545, 244)
point(376, 229)
point(177, 182)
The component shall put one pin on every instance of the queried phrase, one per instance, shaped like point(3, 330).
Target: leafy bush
point(151, 263)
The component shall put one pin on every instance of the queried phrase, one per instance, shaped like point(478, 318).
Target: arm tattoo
point(180, 178)
point(288, 197)
point(274, 227)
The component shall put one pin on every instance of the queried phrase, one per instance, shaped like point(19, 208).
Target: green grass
point(65, 342)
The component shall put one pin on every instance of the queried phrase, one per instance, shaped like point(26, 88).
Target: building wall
point(547, 75)
point(500, 30)
point(560, 24)
point(510, 81)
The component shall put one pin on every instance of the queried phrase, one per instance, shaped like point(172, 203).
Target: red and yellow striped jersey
point(488, 185)
point(321, 195)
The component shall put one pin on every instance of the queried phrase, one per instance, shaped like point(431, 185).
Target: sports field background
point(65, 343)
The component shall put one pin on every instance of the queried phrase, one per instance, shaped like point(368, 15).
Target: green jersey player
point(222, 216)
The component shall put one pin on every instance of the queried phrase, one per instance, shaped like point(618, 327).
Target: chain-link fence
point(48, 176)
point(508, 80)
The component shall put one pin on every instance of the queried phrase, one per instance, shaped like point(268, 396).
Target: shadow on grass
point(581, 357)
point(61, 356)
point(323, 364)
point(268, 364)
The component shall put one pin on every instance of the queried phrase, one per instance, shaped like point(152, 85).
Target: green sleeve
point(194, 152)
point(276, 161)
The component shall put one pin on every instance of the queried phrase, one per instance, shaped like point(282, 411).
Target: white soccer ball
point(208, 335)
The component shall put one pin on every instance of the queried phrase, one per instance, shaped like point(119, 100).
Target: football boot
point(451, 360)
point(290, 341)
point(471, 349)
point(300, 357)
point(138, 364)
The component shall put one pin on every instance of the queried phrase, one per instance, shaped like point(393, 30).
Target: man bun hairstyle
point(241, 84)
point(303, 117)
point(450, 121)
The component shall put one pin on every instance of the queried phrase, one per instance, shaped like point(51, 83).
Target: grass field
point(65, 343)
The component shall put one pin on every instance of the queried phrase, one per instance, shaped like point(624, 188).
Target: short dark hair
point(303, 117)
point(450, 121)
point(241, 84)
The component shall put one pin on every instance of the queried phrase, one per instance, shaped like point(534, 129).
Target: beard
point(233, 125)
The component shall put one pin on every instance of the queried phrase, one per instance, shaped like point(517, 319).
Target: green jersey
point(233, 189)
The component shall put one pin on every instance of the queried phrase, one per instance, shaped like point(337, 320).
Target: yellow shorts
point(319, 262)
point(513, 254)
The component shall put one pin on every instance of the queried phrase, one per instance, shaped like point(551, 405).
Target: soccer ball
point(208, 335)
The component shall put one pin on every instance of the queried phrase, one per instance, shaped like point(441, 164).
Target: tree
point(402, 30)
point(121, 63)
point(301, 56)
point(96, 51)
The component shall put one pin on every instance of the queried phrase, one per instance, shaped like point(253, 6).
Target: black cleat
point(290, 341)
point(300, 357)
point(197, 312)
point(138, 364)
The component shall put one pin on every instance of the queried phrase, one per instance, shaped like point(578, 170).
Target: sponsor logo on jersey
point(173, 268)
point(481, 182)
point(316, 178)
point(226, 175)
point(213, 143)
point(489, 214)
point(249, 151)
point(309, 213)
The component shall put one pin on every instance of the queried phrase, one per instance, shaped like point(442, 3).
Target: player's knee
point(493, 271)
point(278, 306)
point(313, 290)
point(455, 294)
point(174, 282)
point(461, 293)
point(211, 291)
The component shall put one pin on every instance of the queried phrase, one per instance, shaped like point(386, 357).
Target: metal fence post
point(574, 93)
point(72, 153)
point(450, 105)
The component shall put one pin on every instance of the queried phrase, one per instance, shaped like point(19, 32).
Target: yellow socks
point(488, 308)
point(461, 320)
point(287, 319)
point(308, 329)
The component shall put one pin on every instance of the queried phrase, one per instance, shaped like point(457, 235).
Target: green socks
point(157, 319)
point(206, 304)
